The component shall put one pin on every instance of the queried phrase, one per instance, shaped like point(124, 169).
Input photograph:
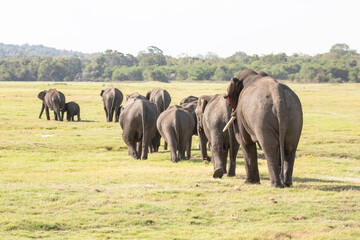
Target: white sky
point(180, 27)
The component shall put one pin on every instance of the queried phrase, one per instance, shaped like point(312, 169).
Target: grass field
point(74, 180)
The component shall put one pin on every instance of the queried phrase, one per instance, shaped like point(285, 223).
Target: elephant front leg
point(203, 141)
point(233, 150)
point(42, 110)
point(106, 113)
point(47, 113)
point(218, 157)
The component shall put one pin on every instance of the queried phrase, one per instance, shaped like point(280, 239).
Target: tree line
point(340, 64)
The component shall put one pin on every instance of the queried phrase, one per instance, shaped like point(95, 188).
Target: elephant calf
point(72, 109)
point(176, 126)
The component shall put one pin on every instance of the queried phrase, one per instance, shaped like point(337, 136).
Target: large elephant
point(72, 109)
point(269, 113)
point(112, 98)
point(53, 100)
point(213, 113)
point(176, 126)
point(138, 121)
point(161, 98)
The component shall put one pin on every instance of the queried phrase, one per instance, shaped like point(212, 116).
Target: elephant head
point(41, 95)
point(233, 92)
point(237, 84)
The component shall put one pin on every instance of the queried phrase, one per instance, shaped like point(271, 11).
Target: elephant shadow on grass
point(328, 185)
point(198, 159)
point(90, 121)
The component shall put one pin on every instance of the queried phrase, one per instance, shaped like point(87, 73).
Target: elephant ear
point(41, 95)
point(233, 92)
point(102, 92)
point(202, 102)
point(148, 95)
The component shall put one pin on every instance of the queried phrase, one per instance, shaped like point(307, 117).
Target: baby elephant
point(176, 126)
point(72, 109)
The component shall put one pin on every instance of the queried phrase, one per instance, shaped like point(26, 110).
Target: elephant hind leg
point(272, 152)
point(288, 169)
point(251, 162)
point(170, 138)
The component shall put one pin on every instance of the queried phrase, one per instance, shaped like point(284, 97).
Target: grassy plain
point(74, 180)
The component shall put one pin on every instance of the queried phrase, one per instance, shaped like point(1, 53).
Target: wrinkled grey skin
point(138, 121)
point(175, 125)
point(72, 109)
point(53, 100)
point(112, 99)
point(188, 99)
point(191, 106)
point(161, 98)
point(213, 113)
point(270, 113)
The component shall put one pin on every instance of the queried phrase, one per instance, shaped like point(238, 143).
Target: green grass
point(79, 182)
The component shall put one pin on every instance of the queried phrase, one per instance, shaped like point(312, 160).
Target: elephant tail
point(281, 115)
point(177, 129)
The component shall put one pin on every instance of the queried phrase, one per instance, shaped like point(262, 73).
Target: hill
point(8, 50)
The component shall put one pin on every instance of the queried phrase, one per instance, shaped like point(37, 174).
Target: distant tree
point(154, 56)
point(340, 49)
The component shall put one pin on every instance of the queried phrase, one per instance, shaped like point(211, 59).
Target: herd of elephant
point(257, 109)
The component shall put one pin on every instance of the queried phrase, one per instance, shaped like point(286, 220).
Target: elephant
point(191, 106)
point(269, 113)
point(112, 98)
point(188, 99)
point(138, 122)
point(176, 126)
point(53, 100)
point(72, 109)
point(212, 114)
point(161, 98)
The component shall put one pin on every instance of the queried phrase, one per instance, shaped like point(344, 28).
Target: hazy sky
point(180, 27)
